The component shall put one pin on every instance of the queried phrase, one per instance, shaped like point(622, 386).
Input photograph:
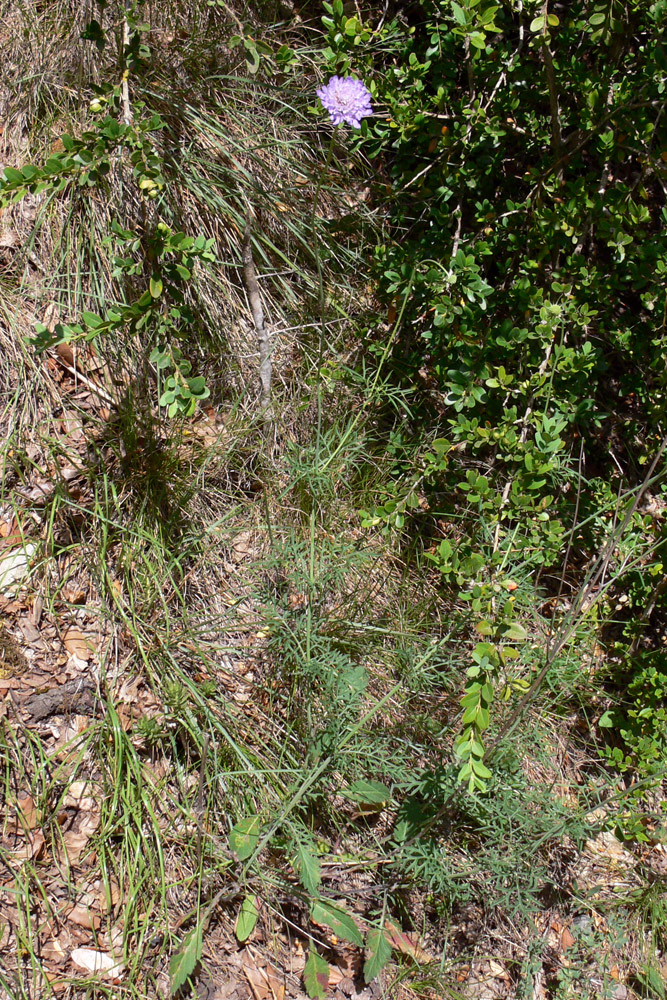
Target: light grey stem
point(263, 338)
point(125, 82)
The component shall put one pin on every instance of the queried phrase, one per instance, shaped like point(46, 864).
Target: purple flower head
point(346, 100)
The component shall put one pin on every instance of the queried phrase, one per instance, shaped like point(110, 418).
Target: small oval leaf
point(244, 836)
point(247, 918)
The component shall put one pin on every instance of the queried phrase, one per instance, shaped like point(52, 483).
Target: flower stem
point(320, 295)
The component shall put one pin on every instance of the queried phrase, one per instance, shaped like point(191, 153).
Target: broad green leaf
point(367, 793)
point(183, 963)
point(515, 632)
point(92, 320)
point(378, 953)
point(247, 918)
point(156, 287)
point(244, 836)
point(324, 911)
point(197, 385)
point(482, 720)
point(308, 868)
point(537, 23)
point(480, 769)
point(458, 12)
point(316, 976)
point(12, 176)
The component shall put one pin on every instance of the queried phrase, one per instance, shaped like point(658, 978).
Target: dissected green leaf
point(378, 953)
point(183, 962)
point(308, 868)
point(316, 976)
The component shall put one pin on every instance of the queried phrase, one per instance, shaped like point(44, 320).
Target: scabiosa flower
point(346, 100)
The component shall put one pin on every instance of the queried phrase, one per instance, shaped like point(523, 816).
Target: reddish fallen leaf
point(66, 353)
point(405, 942)
point(276, 982)
point(566, 939)
point(55, 980)
point(8, 528)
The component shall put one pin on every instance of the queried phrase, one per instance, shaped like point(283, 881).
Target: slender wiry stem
point(320, 291)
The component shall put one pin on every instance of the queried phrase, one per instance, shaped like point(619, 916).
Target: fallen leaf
point(78, 644)
point(32, 848)
point(82, 917)
point(498, 971)
point(276, 982)
point(72, 846)
point(66, 353)
point(256, 977)
point(83, 795)
point(97, 962)
point(9, 527)
point(74, 596)
point(27, 813)
point(50, 318)
point(405, 942)
point(566, 939)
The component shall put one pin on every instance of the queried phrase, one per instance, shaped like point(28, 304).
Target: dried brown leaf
point(82, 916)
point(78, 644)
